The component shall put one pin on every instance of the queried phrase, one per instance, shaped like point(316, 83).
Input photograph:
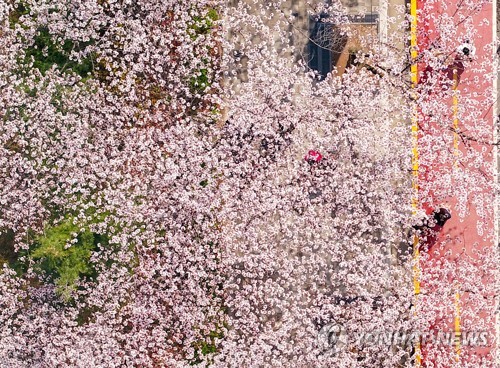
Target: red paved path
point(461, 238)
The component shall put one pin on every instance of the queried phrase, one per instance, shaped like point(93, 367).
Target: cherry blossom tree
point(158, 210)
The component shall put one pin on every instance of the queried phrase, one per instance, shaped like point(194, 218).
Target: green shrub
point(8, 254)
point(62, 261)
point(16, 14)
point(207, 347)
point(200, 82)
point(47, 53)
point(204, 24)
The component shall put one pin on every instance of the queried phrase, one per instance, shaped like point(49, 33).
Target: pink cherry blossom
point(156, 210)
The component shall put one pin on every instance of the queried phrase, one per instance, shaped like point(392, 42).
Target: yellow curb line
point(456, 152)
point(415, 164)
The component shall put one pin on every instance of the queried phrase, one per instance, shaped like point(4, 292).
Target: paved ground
point(461, 238)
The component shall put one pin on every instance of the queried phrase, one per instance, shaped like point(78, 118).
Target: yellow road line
point(457, 326)
point(455, 117)
point(456, 153)
point(415, 164)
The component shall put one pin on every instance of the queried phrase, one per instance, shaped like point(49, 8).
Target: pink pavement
point(463, 238)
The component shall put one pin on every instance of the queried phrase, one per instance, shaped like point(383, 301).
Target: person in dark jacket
point(453, 72)
point(464, 53)
point(431, 227)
